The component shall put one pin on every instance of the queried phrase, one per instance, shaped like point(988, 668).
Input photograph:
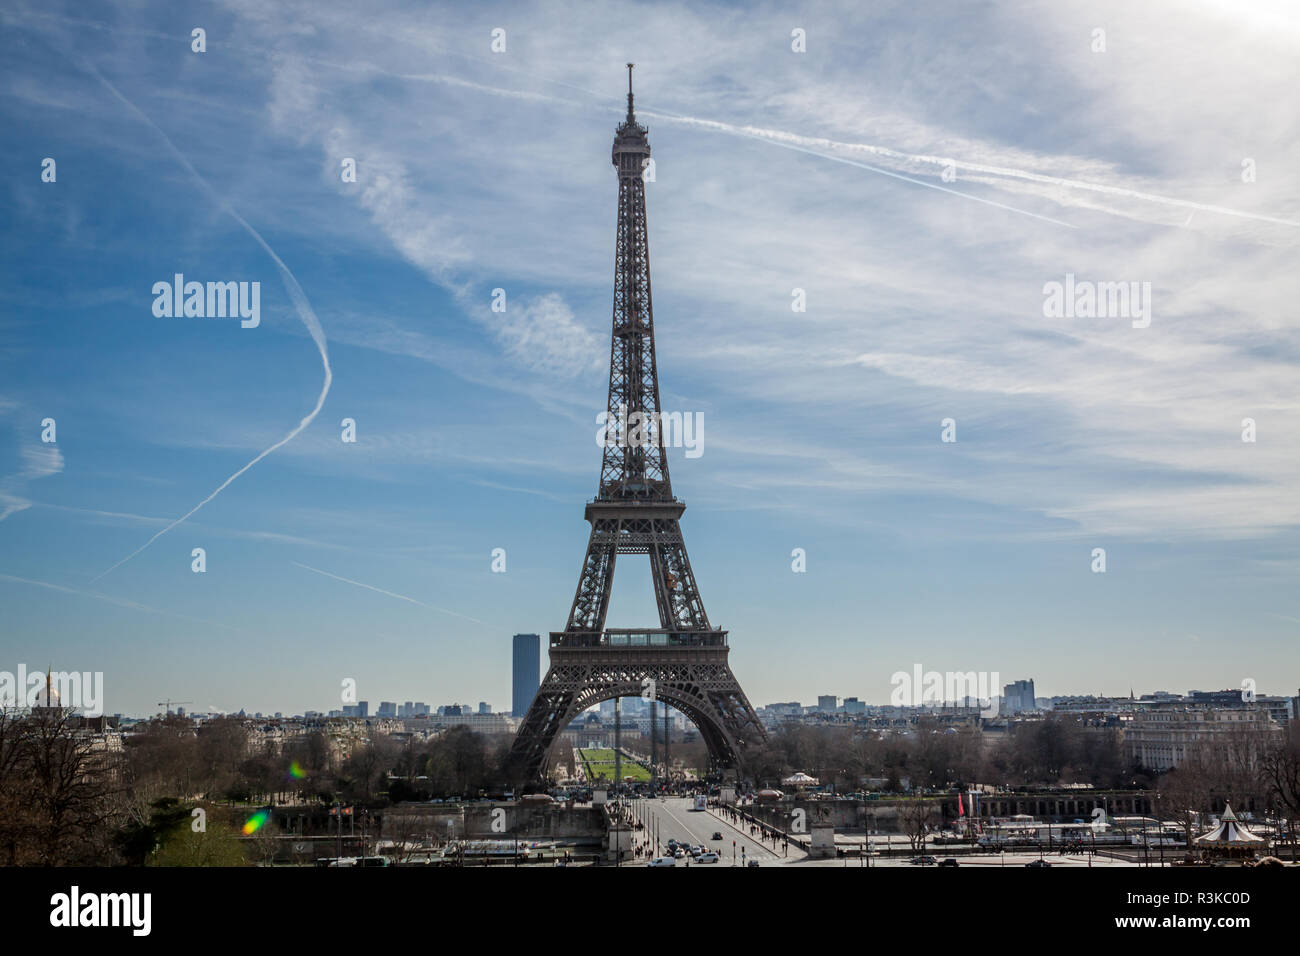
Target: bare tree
point(56, 792)
point(404, 833)
point(915, 817)
point(265, 843)
point(1184, 792)
point(1279, 767)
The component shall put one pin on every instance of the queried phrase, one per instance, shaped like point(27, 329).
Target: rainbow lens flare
point(256, 821)
point(296, 771)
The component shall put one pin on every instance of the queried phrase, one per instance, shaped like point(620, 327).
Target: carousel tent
point(800, 779)
point(1229, 833)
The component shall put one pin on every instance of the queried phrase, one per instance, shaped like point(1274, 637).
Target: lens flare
point(256, 821)
point(296, 772)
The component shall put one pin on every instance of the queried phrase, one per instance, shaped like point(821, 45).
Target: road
point(676, 820)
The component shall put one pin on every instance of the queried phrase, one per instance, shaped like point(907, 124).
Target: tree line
point(68, 799)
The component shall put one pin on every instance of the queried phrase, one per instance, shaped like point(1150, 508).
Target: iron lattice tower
point(683, 662)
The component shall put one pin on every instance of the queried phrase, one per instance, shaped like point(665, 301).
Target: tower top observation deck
point(631, 146)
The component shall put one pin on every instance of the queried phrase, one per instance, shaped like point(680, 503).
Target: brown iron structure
point(683, 662)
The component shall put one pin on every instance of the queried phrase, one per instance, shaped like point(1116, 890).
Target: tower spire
point(631, 116)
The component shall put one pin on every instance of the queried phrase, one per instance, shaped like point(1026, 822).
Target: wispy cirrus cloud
point(110, 599)
point(385, 592)
point(37, 461)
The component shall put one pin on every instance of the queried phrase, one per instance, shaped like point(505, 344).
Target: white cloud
point(486, 171)
point(543, 334)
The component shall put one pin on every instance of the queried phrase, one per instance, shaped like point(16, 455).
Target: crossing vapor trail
point(299, 298)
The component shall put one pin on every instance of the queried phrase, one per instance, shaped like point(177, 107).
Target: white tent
point(1229, 832)
point(800, 779)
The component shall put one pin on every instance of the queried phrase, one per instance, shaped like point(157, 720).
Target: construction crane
point(168, 704)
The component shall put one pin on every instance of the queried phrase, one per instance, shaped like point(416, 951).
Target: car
point(696, 850)
point(929, 860)
point(950, 861)
point(707, 857)
point(1036, 864)
point(752, 863)
point(679, 853)
point(662, 861)
point(716, 836)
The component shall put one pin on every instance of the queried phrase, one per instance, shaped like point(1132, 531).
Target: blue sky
point(822, 429)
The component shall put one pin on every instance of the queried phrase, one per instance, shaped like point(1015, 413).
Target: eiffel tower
point(683, 662)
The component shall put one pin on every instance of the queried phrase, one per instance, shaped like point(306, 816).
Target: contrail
point(300, 304)
point(906, 179)
point(814, 146)
point(120, 602)
point(392, 594)
point(753, 132)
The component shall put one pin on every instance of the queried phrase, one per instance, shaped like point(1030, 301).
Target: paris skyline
point(776, 172)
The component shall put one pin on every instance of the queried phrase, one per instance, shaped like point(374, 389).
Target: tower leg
point(696, 681)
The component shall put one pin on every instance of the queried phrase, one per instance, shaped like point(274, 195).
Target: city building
point(784, 709)
point(1018, 698)
point(483, 723)
point(1163, 738)
point(527, 672)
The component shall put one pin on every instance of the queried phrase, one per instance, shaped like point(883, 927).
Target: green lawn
point(600, 763)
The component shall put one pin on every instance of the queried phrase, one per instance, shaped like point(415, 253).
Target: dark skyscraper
point(527, 672)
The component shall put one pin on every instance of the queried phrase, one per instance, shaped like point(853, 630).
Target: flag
point(961, 810)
